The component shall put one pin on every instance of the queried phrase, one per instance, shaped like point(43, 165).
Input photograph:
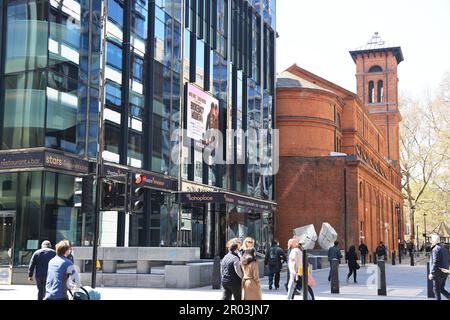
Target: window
point(114, 56)
point(374, 69)
point(371, 92)
point(361, 189)
point(380, 92)
point(115, 12)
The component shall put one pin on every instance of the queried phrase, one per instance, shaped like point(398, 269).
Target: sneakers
point(270, 287)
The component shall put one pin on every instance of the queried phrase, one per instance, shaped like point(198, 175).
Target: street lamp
point(425, 230)
point(399, 226)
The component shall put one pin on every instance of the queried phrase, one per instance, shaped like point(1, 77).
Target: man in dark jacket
point(231, 273)
point(334, 253)
point(439, 260)
point(39, 261)
point(363, 250)
point(381, 252)
point(274, 259)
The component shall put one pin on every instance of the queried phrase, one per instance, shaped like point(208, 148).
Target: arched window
point(371, 92)
point(380, 91)
point(374, 69)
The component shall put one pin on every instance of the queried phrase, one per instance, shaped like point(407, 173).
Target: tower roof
point(376, 44)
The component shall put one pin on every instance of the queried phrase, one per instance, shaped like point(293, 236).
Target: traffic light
point(108, 195)
point(137, 194)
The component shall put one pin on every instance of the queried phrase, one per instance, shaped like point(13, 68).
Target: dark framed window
point(115, 12)
point(371, 92)
point(114, 56)
point(380, 91)
point(374, 69)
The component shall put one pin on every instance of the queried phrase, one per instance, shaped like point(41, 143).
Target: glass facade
point(57, 60)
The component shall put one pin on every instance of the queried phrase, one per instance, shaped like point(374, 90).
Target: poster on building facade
point(202, 115)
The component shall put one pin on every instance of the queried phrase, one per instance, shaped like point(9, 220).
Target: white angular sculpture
point(307, 236)
point(327, 236)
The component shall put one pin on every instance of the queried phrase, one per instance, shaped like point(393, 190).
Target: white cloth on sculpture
point(327, 236)
point(307, 236)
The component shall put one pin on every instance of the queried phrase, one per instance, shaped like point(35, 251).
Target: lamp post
point(399, 226)
point(425, 232)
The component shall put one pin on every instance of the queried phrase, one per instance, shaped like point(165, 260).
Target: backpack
point(273, 257)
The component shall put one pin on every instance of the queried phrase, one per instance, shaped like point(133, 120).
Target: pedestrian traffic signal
point(108, 195)
point(137, 194)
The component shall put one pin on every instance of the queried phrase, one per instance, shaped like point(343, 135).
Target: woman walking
point(251, 288)
point(352, 261)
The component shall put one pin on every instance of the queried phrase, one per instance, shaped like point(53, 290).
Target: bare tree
point(424, 150)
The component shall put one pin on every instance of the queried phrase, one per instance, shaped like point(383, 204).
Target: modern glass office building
point(61, 58)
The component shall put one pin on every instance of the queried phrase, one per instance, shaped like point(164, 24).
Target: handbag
point(357, 266)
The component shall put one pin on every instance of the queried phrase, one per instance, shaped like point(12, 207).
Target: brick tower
point(377, 87)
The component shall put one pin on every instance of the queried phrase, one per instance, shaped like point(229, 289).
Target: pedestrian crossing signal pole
point(100, 147)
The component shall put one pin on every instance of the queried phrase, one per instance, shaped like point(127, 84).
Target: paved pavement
point(403, 283)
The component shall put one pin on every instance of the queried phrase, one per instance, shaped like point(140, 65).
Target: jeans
point(40, 283)
point(230, 289)
point(299, 287)
point(363, 259)
point(277, 279)
point(291, 286)
point(439, 287)
point(351, 270)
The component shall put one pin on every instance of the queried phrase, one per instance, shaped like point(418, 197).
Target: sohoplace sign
point(225, 198)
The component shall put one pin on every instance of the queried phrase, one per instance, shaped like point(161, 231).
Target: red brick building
point(339, 151)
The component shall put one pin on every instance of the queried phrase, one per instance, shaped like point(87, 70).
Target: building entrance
point(6, 245)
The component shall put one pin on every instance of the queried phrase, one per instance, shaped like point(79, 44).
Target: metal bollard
point(374, 258)
point(216, 278)
point(382, 278)
point(430, 292)
point(399, 257)
point(393, 258)
point(335, 276)
point(305, 275)
point(412, 259)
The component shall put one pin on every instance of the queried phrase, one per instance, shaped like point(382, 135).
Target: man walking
point(60, 271)
point(381, 252)
point(274, 259)
point(363, 250)
point(334, 253)
point(439, 260)
point(231, 273)
point(39, 261)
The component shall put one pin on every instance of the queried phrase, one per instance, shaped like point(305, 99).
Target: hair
point(244, 245)
point(248, 257)
point(291, 243)
point(233, 247)
point(62, 247)
point(274, 243)
point(46, 244)
point(352, 249)
point(435, 238)
point(336, 243)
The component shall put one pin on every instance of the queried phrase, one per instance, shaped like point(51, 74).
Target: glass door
point(6, 245)
point(6, 237)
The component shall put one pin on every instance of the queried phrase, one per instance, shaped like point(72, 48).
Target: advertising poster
point(202, 115)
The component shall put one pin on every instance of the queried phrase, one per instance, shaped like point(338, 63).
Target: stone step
point(125, 280)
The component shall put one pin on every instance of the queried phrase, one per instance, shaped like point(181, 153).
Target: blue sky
point(318, 34)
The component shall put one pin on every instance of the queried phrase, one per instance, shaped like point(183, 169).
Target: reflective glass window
point(24, 110)
point(114, 56)
point(115, 12)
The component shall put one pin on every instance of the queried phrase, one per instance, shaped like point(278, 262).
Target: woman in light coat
point(251, 287)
